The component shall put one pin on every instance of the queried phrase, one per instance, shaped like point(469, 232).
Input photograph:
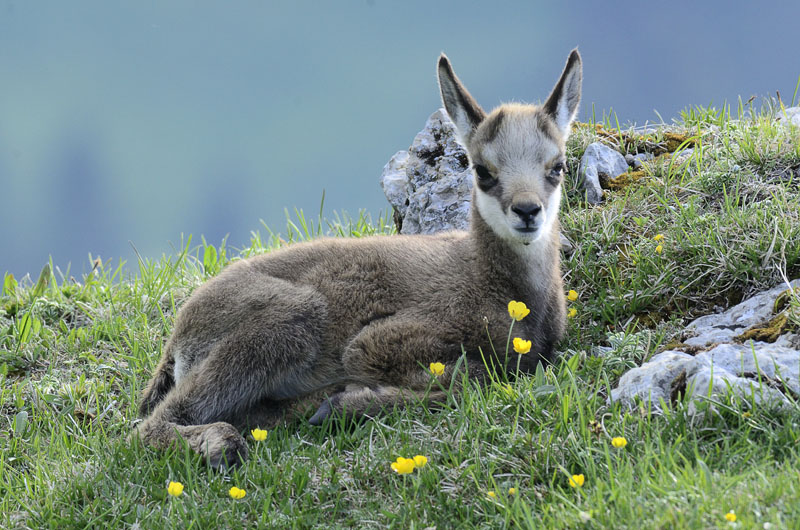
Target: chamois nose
point(526, 211)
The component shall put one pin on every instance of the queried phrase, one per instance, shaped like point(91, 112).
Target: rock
point(791, 116)
point(759, 372)
point(773, 362)
point(395, 183)
point(766, 373)
point(653, 380)
point(629, 159)
point(430, 185)
point(640, 159)
point(723, 327)
point(680, 157)
point(599, 162)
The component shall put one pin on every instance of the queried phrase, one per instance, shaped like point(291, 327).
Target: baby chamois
point(351, 325)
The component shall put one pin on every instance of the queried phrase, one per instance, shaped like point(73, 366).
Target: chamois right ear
point(462, 108)
point(562, 104)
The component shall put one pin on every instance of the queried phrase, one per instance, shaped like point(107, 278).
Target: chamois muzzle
point(527, 213)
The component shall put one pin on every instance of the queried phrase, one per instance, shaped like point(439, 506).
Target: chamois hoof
point(221, 445)
point(325, 410)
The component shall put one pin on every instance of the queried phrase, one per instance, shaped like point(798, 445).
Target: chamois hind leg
point(268, 354)
point(160, 384)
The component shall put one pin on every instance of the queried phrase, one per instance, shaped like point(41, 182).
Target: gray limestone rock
point(682, 156)
point(766, 373)
point(599, 162)
point(723, 327)
point(430, 185)
point(653, 380)
point(754, 359)
point(640, 159)
point(394, 182)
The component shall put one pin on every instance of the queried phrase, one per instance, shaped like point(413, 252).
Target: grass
point(74, 356)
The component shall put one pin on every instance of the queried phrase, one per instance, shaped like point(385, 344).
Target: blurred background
point(129, 124)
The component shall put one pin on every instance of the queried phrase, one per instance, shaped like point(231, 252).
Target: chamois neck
point(526, 267)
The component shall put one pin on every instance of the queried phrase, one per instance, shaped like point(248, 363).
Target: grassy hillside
point(677, 240)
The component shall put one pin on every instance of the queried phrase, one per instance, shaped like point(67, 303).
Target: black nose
point(527, 211)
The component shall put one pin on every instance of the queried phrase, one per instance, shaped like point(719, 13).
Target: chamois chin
point(350, 326)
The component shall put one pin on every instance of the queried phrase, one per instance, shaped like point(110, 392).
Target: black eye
point(557, 170)
point(485, 179)
point(483, 173)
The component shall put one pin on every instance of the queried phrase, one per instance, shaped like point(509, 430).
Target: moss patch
point(624, 180)
point(673, 141)
point(767, 333)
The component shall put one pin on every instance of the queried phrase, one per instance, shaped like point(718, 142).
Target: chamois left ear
point(562, 104)
point(462, 108)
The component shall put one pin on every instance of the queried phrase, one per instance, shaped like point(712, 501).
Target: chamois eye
point(557, 170)
point(483, 173)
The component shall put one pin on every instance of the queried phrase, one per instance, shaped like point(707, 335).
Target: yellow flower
point(521, 346)
point(512, 491)
point(518, 310)
point(420, 461)
point(572, 313)
point(746, 415)
point(619, 442)
point(659, 237)
point(730, 516)
point(403, 466)
point(572, 295)
point(576, 481)
point(236, 493)
point(259, 435)
point(659, 248)
point(491, 494)
point(175, 488)
point(436, 369)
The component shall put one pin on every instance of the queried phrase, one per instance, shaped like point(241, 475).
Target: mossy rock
point(783, 299)
point(769, 332)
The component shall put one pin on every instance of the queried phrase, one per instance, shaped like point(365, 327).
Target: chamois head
point(517, 152)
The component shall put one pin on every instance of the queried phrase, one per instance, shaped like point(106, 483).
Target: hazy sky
point(141, 121)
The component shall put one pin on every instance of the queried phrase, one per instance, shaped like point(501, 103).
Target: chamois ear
point(562, 104)
point(460, 105)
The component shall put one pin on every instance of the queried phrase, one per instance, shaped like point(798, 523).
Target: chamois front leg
point(393, 360)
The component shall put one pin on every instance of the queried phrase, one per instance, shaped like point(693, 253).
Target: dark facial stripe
point(548, 128)
point(492, 126)
point(491, 187)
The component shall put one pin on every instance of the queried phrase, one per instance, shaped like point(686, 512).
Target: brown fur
point(351, 325)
